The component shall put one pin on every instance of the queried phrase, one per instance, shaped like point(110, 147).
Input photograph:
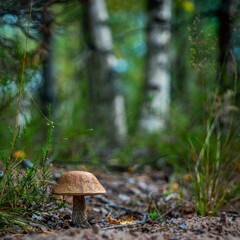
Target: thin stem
point(22, 79)
point(79, 214)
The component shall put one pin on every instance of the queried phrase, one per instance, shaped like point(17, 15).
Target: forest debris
point(39, 226)
point(113, 221)
point(124, 198)
point(174, 186)
point(143, 185)
point(187, 177)
point(127, 221)
point(183, 226)
point(115, 226)
point(119, 221)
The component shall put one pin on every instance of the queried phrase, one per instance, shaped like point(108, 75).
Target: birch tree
point(156, 102)
point(107, 103)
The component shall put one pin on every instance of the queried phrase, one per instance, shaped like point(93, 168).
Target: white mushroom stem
point(79, 213)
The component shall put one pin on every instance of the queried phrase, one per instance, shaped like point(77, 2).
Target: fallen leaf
point(127, 221)
point(113, 221)
point(174, 186)
point(187, 177)
point(122, 222)
point(20, 154)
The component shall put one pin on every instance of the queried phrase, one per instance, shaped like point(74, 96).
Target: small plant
point(154, 214)
point(23, 190)
point(213, 163)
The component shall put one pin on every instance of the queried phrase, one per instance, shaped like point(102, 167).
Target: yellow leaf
point(174, 186)
point(127, 221)
point(187, 177)
point(20, 154)
point(122, 222)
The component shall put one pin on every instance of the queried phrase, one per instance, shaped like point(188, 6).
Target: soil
point(138, 205)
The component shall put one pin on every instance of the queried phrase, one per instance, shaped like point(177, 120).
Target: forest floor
point(138, 205)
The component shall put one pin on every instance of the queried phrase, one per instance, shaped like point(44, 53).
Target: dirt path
point(146, 201)
point(195, 228)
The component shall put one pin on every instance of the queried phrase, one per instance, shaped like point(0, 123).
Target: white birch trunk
point(107, 100)
point(156, 103)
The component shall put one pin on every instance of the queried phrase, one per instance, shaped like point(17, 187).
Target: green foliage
point(213, 164)
point(154, 214)
point(23, 189)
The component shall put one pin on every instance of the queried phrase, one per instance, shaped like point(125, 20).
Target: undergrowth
point(215, 160)
point(23, 189)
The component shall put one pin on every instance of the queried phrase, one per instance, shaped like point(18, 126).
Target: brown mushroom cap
point(78, 183)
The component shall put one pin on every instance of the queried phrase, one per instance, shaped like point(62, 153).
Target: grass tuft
point(24, 190)
point(214, 164)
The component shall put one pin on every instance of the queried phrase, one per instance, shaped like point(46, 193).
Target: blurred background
point(122, 84)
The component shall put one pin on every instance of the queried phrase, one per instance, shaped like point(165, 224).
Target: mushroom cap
point(78, 183)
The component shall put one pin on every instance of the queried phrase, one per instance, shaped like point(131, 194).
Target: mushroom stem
point(79, 213)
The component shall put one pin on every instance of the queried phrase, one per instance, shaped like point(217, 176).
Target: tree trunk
point(226, 72)
point(47, 91)
point(155, 107)
point(107, 103)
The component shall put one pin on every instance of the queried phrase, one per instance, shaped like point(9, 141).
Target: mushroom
point(78, 184)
